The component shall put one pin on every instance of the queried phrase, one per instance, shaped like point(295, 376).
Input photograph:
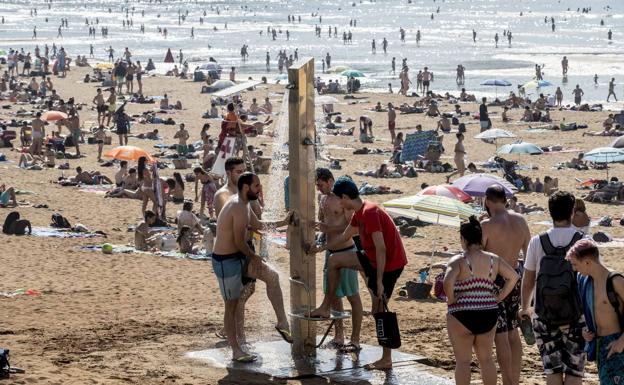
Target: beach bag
point(613, 297)
point(557, 300)
point(8, 222)
point(60, 221)
point(387, 327)
point(438, 287)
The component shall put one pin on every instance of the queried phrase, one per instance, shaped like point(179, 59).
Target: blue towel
point(586, 290)
point(416, 144)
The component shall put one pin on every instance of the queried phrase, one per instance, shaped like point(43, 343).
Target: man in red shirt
point(381, 258)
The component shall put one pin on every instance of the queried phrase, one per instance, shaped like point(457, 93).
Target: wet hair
point(345, 186)
point(149, 214)
point(246, 178)
point(561, 205)
point(471, 231)
point(584, 248)
point(187, 206)
point(232, 162)
point(178, 179)
point(495, 193)
point(324, 174)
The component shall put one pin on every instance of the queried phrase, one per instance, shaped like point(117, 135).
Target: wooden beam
point(301, 168)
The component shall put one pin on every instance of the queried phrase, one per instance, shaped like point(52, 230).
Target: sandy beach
point(130, 318)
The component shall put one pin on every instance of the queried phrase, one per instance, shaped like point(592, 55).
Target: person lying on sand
point(606, 132)
point(90, 177)
point(521, 208)
point(30, 162)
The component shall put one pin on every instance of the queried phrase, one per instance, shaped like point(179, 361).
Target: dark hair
point(178, 179)
point(123, 163)
point(232, 162)
point(132, 170)
point(230, 107)
point(471, 231)
point(141, 167)
point(171, 183)
point(187, 206)
point(245, 179)
point(561, 206)
point(324, 174)
point(198, 170)
point(345, 186)
point(149, 214)
point(495, 193)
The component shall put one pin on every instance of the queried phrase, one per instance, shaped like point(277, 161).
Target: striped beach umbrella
point(439, 210)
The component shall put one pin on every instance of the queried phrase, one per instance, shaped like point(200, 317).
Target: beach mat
point(51, 232)
point(99, 189)
point(118, 249)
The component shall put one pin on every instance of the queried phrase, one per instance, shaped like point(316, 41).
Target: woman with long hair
point(473, 299)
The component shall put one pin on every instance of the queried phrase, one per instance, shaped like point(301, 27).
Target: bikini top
point(474, 293)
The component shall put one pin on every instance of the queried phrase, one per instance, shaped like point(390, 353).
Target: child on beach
point(602, 296)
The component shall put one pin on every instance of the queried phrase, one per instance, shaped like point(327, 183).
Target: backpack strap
point(547, 246)
point(575, 238)
point(613, 297)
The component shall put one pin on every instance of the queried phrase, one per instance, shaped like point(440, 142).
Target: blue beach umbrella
point(496, 83)
point(537, 84)
point(605, 155)
point(352, 73)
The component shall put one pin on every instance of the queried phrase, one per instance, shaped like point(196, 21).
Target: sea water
point(446, 39)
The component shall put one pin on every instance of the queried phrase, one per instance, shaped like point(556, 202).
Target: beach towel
point(118, 249)
point(586, 291)
point(416, 144)
point(99, 189)
point(60, 233)
point(225, 152)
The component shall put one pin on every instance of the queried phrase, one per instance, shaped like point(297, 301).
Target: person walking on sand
point(382, 257)
point(391, 122)
point(506, 234)
point(559, 96)
point(473, 298)
point(460, 158)
point(335, 220)
point(234, 262)
point(612, 89)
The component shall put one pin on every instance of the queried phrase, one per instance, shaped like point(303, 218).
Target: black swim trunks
point(508, 309)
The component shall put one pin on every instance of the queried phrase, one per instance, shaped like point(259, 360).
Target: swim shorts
point(425, 83)
point(348, 285)
point(388, 279)
point(509, 307)
point(561, 348)
point(391, 125)
point(230, 269)
point(610, 370)
point(102, 108)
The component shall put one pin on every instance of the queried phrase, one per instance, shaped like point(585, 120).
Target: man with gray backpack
point(558, 319)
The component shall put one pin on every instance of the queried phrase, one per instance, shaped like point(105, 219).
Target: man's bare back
point(222, 195)
point(506, 234)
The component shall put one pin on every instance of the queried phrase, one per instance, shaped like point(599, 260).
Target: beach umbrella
point(222, 84)
point(495, 133)
point(448, 191)
point(131, 153)
point(496, 83)
point(537, 84)
point(435, 209)
point(605, 155)
point(476, 184)
point(618, 142)
point(325, 99)
point(352, 73)
point(52, 116)
point(520, 148)
point(337, 69)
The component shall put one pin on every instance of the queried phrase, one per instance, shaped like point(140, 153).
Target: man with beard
point(234, 262)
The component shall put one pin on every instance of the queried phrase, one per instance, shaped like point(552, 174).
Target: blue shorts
point(230, 270)
point(348, 285)
point(610, 370)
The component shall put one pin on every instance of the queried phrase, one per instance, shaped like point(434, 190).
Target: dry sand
point(130, 318)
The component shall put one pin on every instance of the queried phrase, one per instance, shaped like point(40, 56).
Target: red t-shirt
point(371, 218)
